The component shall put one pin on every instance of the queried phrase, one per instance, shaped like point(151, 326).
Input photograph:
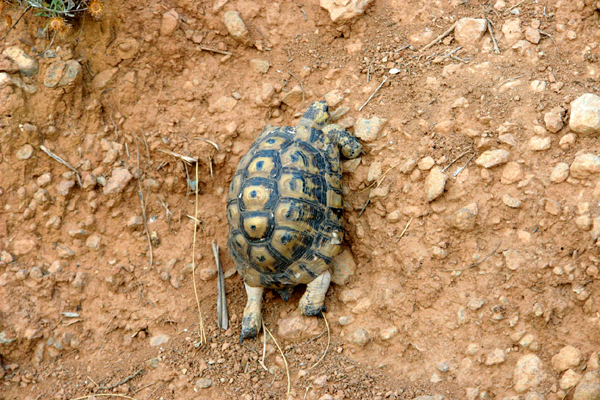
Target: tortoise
point(285, 212)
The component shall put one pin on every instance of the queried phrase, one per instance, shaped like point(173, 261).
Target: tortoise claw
point(312, 311)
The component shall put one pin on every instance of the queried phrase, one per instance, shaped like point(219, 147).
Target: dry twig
point(458, 171)
point(209, 141)
point(187, 159)
point(328, 342)
point(405, 229)
point(222, 317)
point(373, 94)
point(478, 262)
point(63, 162)
point(15, 24)
point(456, 159)
point(491, 31)
point(287, 368)
point(130, 377)
point(201, 321)
point(378, 181)
point(122, 396)
point(442, 36)
point(225, 53)
point(553, 41)
point(364, 207)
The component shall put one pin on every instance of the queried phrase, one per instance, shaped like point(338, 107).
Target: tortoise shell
point(285, 202)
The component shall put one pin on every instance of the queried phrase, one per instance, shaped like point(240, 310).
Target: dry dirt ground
point(471, 305)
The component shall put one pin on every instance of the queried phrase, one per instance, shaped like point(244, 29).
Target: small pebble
point(560, 173)
point(497, 356)
point(492, 158)
point(567, 357)
point(360, 337)
point(511, 201)
point(25, 152)
point(528, 373)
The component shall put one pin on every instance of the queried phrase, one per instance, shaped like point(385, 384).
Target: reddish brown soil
point(165, 95)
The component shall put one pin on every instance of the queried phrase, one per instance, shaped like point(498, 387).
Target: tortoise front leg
point(252, 318)
point(311, 304)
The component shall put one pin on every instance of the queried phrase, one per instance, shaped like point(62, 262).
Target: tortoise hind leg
point(311, 304)
point(252, 318)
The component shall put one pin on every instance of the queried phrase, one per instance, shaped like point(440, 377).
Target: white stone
point(345, 10)
point(585, 114)
point(539, 143)
point(468, 31)
point(560, 173)
point(492, 158)
point(584, 165)
point(527, 373)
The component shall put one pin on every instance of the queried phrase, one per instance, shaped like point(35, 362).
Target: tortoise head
point(316, 116)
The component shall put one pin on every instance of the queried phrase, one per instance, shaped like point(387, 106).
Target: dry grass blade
point(405, 229)
point(210, 142)
point(378, 181)
point(287, 368)
point(478, 262)
point(328, 342)
point(385, 78)
point(437, 39)
point(122, 396)
point(187, 159)
point(63, 162)
point(491, 31)
point(456, 159)
point(264, 352)
point(200, 320)
point(458, 171)
point(127, 379)
point(225, 53)
point(222, 317)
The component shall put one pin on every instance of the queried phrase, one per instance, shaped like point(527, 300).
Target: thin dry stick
point(287, 368)
point(301, 86)
point(437, 39)
point(264, 353)
point(146, 144)
point(105, 395)
point(362, 210)
point(456, 159)
point(144, 387)
point(514, 78)
point(225, 53)
point(553, 41)
point(452, 52)
point(121, 382)
point(209, 141)
point(202, 333)
point(187, 159)
point(478, 262)
point(63, 162)
point(458, 171)
point(143, 205)
point(222, 317)
point(328, 343)
point(516, 5)
point(491, 31)
point(378, 181)
point(15, 24)
point(373, 94)
point(405, 229)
